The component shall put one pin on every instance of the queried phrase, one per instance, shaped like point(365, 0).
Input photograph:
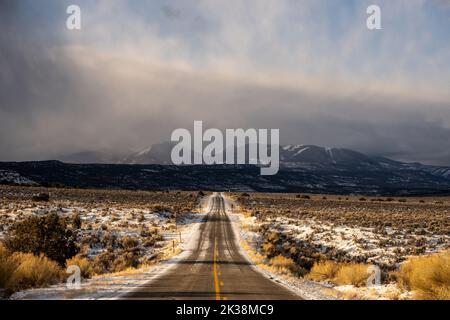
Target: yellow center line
point(216, 277)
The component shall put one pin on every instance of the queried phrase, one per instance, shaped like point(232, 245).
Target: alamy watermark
point(374, 278)
point(373, 22)
point(73, 21)
point(74, 279)
point(231, 147)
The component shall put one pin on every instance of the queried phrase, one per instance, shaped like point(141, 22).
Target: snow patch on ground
point(380, 292)
point(9, 176)
point(305, 289)
point(354, 242)
point(114, 286)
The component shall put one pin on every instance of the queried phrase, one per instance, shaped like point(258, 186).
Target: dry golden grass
point(84, 264)
point(428, 276)
point(352, 273)
point(255, 257)
point(6, 267)
point(283, 265)
point(340, 273)
point(269, 248)
point(324, 271)
point(20, 271)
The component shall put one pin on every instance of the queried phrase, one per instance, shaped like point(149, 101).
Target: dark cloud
point(61, 96)
point(171, 12)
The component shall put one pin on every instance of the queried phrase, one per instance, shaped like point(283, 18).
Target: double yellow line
point(216, 276)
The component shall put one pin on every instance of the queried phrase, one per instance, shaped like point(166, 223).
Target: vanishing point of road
point(215, 270)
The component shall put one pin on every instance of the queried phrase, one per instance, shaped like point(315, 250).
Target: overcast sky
point(139, 69)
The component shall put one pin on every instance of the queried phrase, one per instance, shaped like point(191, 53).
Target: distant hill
point(303, 168)
point(374, 177)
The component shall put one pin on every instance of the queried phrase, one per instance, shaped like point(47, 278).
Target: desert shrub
point(273, 237)
point(43, 196)
point(129, 242)
point(150, 242)
point(125, 260)
point(76, 221)
point(153, 236)
point(109, 240)
point(293, 251)
point(324, 271)
point(160, 208)
point(116, 261)
point(32, 271)
point(157, 236)
point(352, 274)
point(86, 267)
point(144, 232)
point(428, 276)
point(306, 262)
point(283, 264)
point(362, 199)
point(48, 235)
point(102, 262)
point(305, 196)
point(269, 249)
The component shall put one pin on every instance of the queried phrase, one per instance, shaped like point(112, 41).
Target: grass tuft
point(19, 271)
point(428, 276)
point(340, 273)
point(324, 271)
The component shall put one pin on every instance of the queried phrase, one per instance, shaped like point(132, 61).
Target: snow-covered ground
point(311, 290)
point(242, 226)
point(381, 233)
point(9, 176)
point(104, 225)
point(358, 244)
point(113, 286)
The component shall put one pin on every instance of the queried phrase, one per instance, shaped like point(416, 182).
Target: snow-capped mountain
point(304, 157)
point(155, 154)
point(301, 155)
point(290, 156)
point(329, 159)
point(311, 159)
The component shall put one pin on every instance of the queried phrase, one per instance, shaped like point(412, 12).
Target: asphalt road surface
point(216, 270)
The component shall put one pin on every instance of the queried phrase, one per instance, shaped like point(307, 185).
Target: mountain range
point(291, 157)
point(303, 168)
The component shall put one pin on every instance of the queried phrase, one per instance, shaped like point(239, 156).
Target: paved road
point(215, 270)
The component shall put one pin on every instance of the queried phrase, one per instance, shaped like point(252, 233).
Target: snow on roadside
point(304, 288)
point(381, 292)
point(355, 242)
point(114, 286)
